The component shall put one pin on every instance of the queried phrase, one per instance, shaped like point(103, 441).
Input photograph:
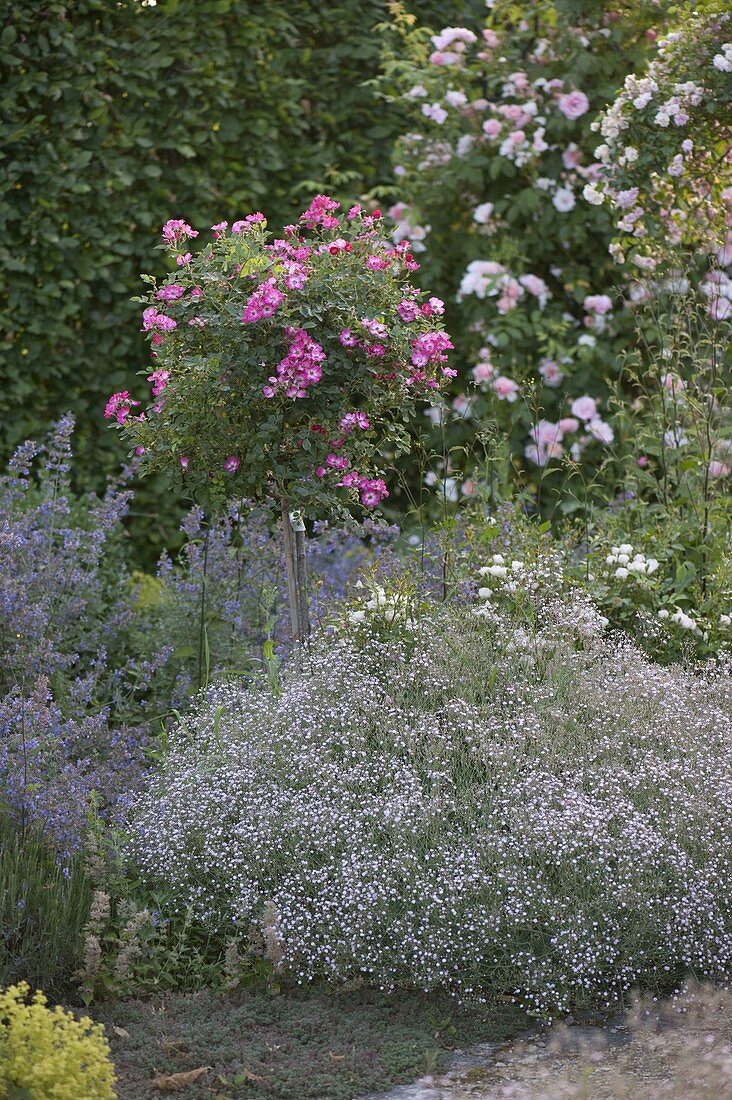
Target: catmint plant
point(281, 368)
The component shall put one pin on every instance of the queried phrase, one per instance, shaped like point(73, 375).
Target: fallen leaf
point(335, 1057)
point(175, 1082)
point(245, 1075)
point(121, 1032)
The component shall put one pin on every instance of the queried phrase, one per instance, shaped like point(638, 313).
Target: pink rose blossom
point(119, 406)
point(551, 372)
point(170, 293)
point(177, 230)
point(264, 302)
point(573, 105)
point(584, 407)
point(598, 303)
point(483, 372)
point(408, 310)
point(505, 389)
point(355, 420)
point(569, 424)
point(600, 431)
point(159, 379)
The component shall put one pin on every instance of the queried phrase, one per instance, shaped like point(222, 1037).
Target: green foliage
point(43, 910)
point(47, 1054)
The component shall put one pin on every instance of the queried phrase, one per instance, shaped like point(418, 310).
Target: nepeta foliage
point(282, 368)
point(95, 656)
point(73, 697)
point(481, 805)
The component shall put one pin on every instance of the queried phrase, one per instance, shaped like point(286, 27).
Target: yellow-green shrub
point(47, 1054)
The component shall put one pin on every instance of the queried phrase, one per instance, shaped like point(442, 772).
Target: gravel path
point(681, 1050)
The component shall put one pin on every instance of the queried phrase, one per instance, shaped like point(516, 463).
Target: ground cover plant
point(313, 1043)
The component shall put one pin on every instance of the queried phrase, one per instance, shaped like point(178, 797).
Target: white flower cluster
point(683, 619)
point(723, 60)
point(386, 607)
point(691, 620)
point(627, 562)
point(553, 823)
point(499, 571)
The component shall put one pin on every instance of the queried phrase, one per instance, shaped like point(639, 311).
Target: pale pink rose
point(534, 285)
point(584, 407)
point(490, 38)
point(551, 372)
point(625, 199)
point(443, 57)
point(601, 431)
point(718, 469)
point(573, 105)
point(505, 389)
point(483, 372)
point(598, 303)
point(545, 432)
point(572, 156)
point(553, 450)
point(642, 462)
point(569, 424)
point(720, 309)
point(491, 127)
point(563, 200)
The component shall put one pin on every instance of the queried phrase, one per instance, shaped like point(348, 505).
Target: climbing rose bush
point(491, 173)
point(666, 160)
point(283, 367)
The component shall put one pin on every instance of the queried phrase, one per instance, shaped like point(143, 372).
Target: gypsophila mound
point(468, 804)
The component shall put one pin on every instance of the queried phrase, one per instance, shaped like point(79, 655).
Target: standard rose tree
point(283, 368)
